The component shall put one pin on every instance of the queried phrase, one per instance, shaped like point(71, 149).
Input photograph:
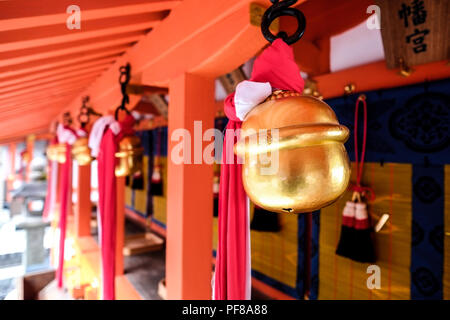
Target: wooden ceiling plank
point(46, 35)
point(27, 55)
point(39, 96)
point(72, 59)
point(75, 36)
point(42, 107)
point(51, 86)
point(52, 71)
point(41, 100)
point(20, 14)
point(49, 79)
point(19, 136)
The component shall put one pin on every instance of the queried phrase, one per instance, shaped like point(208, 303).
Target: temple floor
point(144, 271)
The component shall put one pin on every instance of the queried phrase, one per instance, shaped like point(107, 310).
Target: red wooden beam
point(39, 97)
point(68, 83)
point(17, 112)
point(37, 75)
point(56, 34)
point(20, 14)
point(66, 60)
point(19, 135)
point(327, 18)
point(53, 78)
point(376, 76)
point(26, 55)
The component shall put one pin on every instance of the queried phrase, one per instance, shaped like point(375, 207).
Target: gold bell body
point(294, 155)
point(57, 152)
point(129, 156)
point(81, 151)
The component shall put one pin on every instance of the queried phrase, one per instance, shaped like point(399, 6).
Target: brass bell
point(26, 157)
point(57, 152)
point(301, 166)
point(129, 155)
point(81, 151)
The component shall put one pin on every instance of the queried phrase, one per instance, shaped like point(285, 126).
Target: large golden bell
point(300, 167)
point(81, 151)
point(57, 152)
point(129, 155)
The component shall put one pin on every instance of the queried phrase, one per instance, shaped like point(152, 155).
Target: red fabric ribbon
point(107, 209)
point(107, 203)
point(66, 170)
point(277, 66)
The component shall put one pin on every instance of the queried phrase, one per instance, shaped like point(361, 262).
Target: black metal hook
point(124, 79)
point(278, 9)
point(67, 119)
point(83, 116)
point(85, 112)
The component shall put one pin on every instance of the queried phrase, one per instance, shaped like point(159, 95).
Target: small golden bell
point(57, 152)
point(310, 165)
point(81, 151)
point(130, 156)
point(26, 157)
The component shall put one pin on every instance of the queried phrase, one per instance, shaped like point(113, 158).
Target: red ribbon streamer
point(107, 209)
point(107, 203)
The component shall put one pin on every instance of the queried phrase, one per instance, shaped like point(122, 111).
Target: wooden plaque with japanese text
point(416, 31)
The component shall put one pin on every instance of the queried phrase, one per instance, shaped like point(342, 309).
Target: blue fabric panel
point(300, 288)
point(427, 246)
point(403, 124)
point(314, 277)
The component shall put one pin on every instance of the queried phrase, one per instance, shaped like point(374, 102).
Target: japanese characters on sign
point(414, 32)
point(415, 12)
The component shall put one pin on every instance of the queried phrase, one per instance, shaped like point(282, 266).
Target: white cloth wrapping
point(248, 95)
point(81, 133)
point(65, 135)
point(95, 137)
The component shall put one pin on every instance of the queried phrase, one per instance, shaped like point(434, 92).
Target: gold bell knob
point(129, 155)
point(301, 165)
point(81, 151)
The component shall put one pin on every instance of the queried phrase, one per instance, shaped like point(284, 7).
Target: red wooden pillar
point(189, 193)
point(83, 206)
point(120, 226)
